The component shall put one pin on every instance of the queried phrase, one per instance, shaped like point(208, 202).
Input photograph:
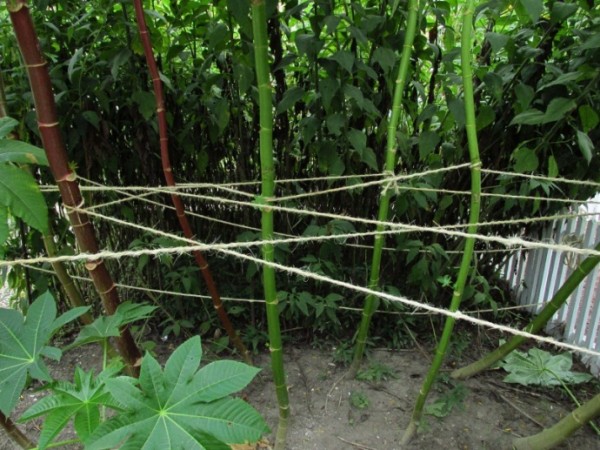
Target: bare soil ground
point(325, 418)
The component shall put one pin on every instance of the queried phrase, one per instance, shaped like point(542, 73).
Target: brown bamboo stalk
point(67, 282)
point(45, 107)
point(170, 179)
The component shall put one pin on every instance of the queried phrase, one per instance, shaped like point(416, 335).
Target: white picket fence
point(535, 275)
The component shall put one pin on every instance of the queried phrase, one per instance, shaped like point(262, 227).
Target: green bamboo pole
point(259, 27)
point(386, 194)
point(551, 437)
point(465, 266)
point(559, 298)
point(67, 282)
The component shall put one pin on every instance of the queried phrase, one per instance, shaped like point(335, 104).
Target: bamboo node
point(44, 124)
point(69, 177)
point(112, 287)
point(81, 224)
point(273, 349)
point(263, 201)
point(92, 265)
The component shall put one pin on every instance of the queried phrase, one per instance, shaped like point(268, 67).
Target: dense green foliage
point(180, 405)
point(333, 66)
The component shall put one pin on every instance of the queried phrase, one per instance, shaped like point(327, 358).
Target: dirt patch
point(330, 413)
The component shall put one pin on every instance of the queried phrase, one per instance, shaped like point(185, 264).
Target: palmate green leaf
point(21, 153)
point(538, 367)
point(105, 327)
point(21, 194)
point(79, 401)
point(181, 407)
point(21, 342)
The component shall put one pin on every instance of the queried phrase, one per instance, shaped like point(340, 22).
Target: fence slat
point(535, 275)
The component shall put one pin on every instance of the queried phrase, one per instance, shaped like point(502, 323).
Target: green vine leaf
point(20, 193)
point(22, 343)
point(181, 407)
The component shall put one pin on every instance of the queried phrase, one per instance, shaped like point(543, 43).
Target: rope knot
point(390, 183)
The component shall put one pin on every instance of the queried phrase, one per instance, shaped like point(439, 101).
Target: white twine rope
point(142, 197)
point(458, 315)
point(398, 227)
point(226, 248)
point(196, 245)
point(253, 300)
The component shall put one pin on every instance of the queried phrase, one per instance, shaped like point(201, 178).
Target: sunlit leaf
point(182, 407)
point(21, 194)
point(21, 153)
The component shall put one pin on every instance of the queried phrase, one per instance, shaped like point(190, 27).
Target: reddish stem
point(15, 433)
point(168, 172)
point(45, 107)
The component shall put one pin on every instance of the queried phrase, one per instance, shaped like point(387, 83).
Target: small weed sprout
point(359, 400)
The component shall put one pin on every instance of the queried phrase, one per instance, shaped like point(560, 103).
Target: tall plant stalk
point(465, 266)
point(538, 322)
point(67, 282)
point(553, 436)
point(53, 143)
point(15, 434)
point(259, 28)
point(386, 194)
point(170, 179)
